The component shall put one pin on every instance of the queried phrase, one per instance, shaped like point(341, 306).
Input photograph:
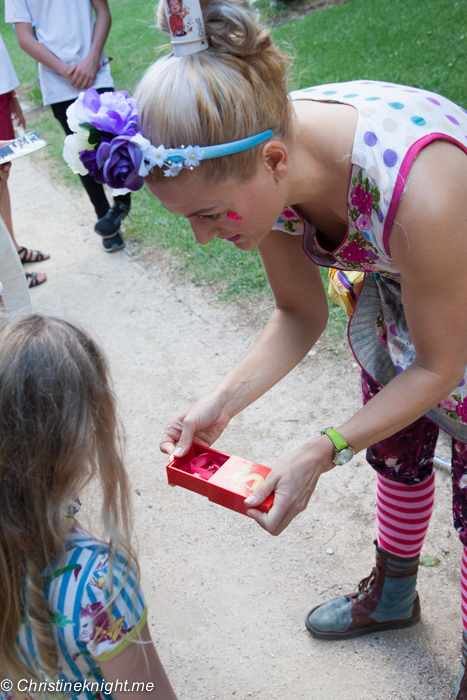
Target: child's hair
point(58, 430)
point(234, 89)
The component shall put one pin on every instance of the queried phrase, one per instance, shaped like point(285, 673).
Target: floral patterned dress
point(395, 123)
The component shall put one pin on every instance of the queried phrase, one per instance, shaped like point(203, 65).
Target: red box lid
point(234, 481)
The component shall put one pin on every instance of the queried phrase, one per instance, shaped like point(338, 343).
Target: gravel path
point(227, 601)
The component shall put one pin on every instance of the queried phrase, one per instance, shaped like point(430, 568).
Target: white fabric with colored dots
point(395, 123)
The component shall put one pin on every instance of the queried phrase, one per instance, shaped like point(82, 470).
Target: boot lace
point(366, 584)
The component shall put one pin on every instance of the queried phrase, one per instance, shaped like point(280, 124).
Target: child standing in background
point(9, 108)
point(70, 51)
point(73, 613)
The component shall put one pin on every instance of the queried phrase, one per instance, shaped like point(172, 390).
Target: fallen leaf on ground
point(429, 561)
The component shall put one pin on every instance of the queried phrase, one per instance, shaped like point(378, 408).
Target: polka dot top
point(394, 123)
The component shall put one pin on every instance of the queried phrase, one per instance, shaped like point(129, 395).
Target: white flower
point(141, 142)
point(74, 143)
point(173, 170)
point(113, 192)
point(151, 156)
point(193, 155)
point(72, 120)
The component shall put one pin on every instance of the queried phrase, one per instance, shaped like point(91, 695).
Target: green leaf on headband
point(94, 135)
point(429, 561)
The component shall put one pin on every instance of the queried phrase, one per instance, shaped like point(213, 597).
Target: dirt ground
point(227, 601)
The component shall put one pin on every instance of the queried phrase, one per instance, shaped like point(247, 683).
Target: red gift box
point(223, 479)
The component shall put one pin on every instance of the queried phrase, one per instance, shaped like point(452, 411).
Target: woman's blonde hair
point(234, 89)
point(58, 430)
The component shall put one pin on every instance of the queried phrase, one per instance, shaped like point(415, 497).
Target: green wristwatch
point(344, 452)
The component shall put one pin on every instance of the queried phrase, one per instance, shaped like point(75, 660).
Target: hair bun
point(234, 89)
point(231, 27)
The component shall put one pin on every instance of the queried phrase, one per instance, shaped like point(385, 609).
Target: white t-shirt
point(8, 78)
point(66, 28)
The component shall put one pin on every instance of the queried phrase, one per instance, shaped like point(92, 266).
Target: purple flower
point(461, 410)
point(354, 253)
point(361, 199)
point(363, 222)
point(383, 337)
point(112, 112)
point(88, 159)
point(119, 161)
point(448, 403)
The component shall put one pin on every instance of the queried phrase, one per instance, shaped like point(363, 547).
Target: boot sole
point(380, 627)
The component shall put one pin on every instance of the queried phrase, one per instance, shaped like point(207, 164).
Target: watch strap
point(339, 442)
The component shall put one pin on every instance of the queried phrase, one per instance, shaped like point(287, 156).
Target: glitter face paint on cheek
point(234, 215)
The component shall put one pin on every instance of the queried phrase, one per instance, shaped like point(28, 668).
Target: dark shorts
point(6, 125)
point(407, 457)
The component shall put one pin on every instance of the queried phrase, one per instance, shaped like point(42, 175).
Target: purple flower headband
point(108, 145)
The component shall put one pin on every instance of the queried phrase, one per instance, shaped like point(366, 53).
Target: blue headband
point(190, 157)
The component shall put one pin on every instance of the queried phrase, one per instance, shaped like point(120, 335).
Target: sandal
point(33, 280)
point(30, 256)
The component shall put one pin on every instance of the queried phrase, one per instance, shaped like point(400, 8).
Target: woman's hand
point(293, 481)
point(203, 423)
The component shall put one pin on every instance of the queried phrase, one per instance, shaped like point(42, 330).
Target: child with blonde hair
point(74, 618)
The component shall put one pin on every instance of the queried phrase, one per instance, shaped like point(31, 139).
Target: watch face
point(344, 456)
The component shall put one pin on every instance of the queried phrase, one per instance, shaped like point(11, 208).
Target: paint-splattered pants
point(408, 455)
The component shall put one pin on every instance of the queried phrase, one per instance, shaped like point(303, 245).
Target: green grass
point(403, 41)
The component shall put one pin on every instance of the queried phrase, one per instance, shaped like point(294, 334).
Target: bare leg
point(5, 213)
point(5, 210)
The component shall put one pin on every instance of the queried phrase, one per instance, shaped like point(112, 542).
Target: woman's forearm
point(406, 398)
point(285, 340)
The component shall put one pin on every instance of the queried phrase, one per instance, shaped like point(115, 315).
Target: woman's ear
point(275, 158)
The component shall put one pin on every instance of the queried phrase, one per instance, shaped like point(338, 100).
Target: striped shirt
point(88, 625)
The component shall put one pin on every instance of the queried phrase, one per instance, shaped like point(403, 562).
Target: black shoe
point(110, 223)
point(113, 243)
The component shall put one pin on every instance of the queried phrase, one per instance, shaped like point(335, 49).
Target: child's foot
point(109, 224)
point(34, 279)
point(29, 256)
point(113, 243)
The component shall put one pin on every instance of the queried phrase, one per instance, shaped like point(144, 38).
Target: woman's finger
point(186, 439)
point(274, 523)
point(263, 491)
point(279, 517)
point(168, 447)
point(171, 436)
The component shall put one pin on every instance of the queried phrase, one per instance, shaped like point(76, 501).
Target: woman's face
point(242, 214)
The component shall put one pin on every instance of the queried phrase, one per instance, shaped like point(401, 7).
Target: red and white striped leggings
point(406, 487)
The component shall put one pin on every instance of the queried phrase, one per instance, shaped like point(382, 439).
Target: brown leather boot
point(385, 600)
point(461, 685)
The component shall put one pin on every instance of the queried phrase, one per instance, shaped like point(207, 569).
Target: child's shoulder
point(94, 595)
point(84, 553)
point(77, 537)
